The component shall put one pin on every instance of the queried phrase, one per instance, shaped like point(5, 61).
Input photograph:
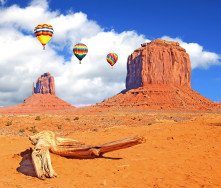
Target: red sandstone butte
point(45, 84)
point(43, 98)
point(158, 62)
point(158, 77)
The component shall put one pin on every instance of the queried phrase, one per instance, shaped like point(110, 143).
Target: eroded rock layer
point(161, 97)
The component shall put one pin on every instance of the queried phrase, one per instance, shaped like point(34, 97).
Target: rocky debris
point(45, 84)
point(158, 62)
point(45, 102)
point(38, 103)
point(161, 97)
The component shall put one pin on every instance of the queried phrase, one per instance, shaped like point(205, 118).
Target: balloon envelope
point(80, 50)
point(112, 58)
point(44, 33)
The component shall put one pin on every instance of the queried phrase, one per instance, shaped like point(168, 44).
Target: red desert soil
point(181, 149)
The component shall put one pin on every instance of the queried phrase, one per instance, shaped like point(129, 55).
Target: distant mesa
point(43, 98)
point(158, 77)
point(44, 85)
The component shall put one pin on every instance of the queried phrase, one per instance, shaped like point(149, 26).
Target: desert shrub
point(33, 130)
point(8, 123)
point(59, 126)
point(94, 129)
point(76, 118)
point(38, 118)
point(21, 131)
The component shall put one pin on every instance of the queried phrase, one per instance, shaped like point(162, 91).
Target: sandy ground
point(181, 150)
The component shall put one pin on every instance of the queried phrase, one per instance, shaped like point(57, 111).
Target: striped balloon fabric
point(44, 33)
point(112, 58)
point(80, 51)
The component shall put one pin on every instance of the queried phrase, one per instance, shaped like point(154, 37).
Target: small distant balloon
point(80, 50)
point(44, 33)
point(112, 58)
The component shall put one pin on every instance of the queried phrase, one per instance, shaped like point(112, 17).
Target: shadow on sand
point(26, 167)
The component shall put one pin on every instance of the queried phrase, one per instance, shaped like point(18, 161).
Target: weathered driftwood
point(46, 141)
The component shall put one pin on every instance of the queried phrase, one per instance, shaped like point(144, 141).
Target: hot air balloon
point(80, 51)
point(112, 58)
point(44, 33)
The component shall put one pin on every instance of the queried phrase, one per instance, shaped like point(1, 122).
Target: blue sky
point(193, 21)
point(189, 21)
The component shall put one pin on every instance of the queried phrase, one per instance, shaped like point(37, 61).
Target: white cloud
point(22, 59)
point(25, 18)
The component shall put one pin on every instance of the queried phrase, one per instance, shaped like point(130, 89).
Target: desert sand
point(182, 149)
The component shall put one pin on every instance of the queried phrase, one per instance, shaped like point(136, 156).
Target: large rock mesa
point(158, 78)
point(158, 62)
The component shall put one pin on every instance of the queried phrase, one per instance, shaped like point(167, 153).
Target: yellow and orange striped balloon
point(44, 33)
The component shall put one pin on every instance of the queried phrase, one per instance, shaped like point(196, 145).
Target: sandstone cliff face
point(158, 62)
point(45, 84)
